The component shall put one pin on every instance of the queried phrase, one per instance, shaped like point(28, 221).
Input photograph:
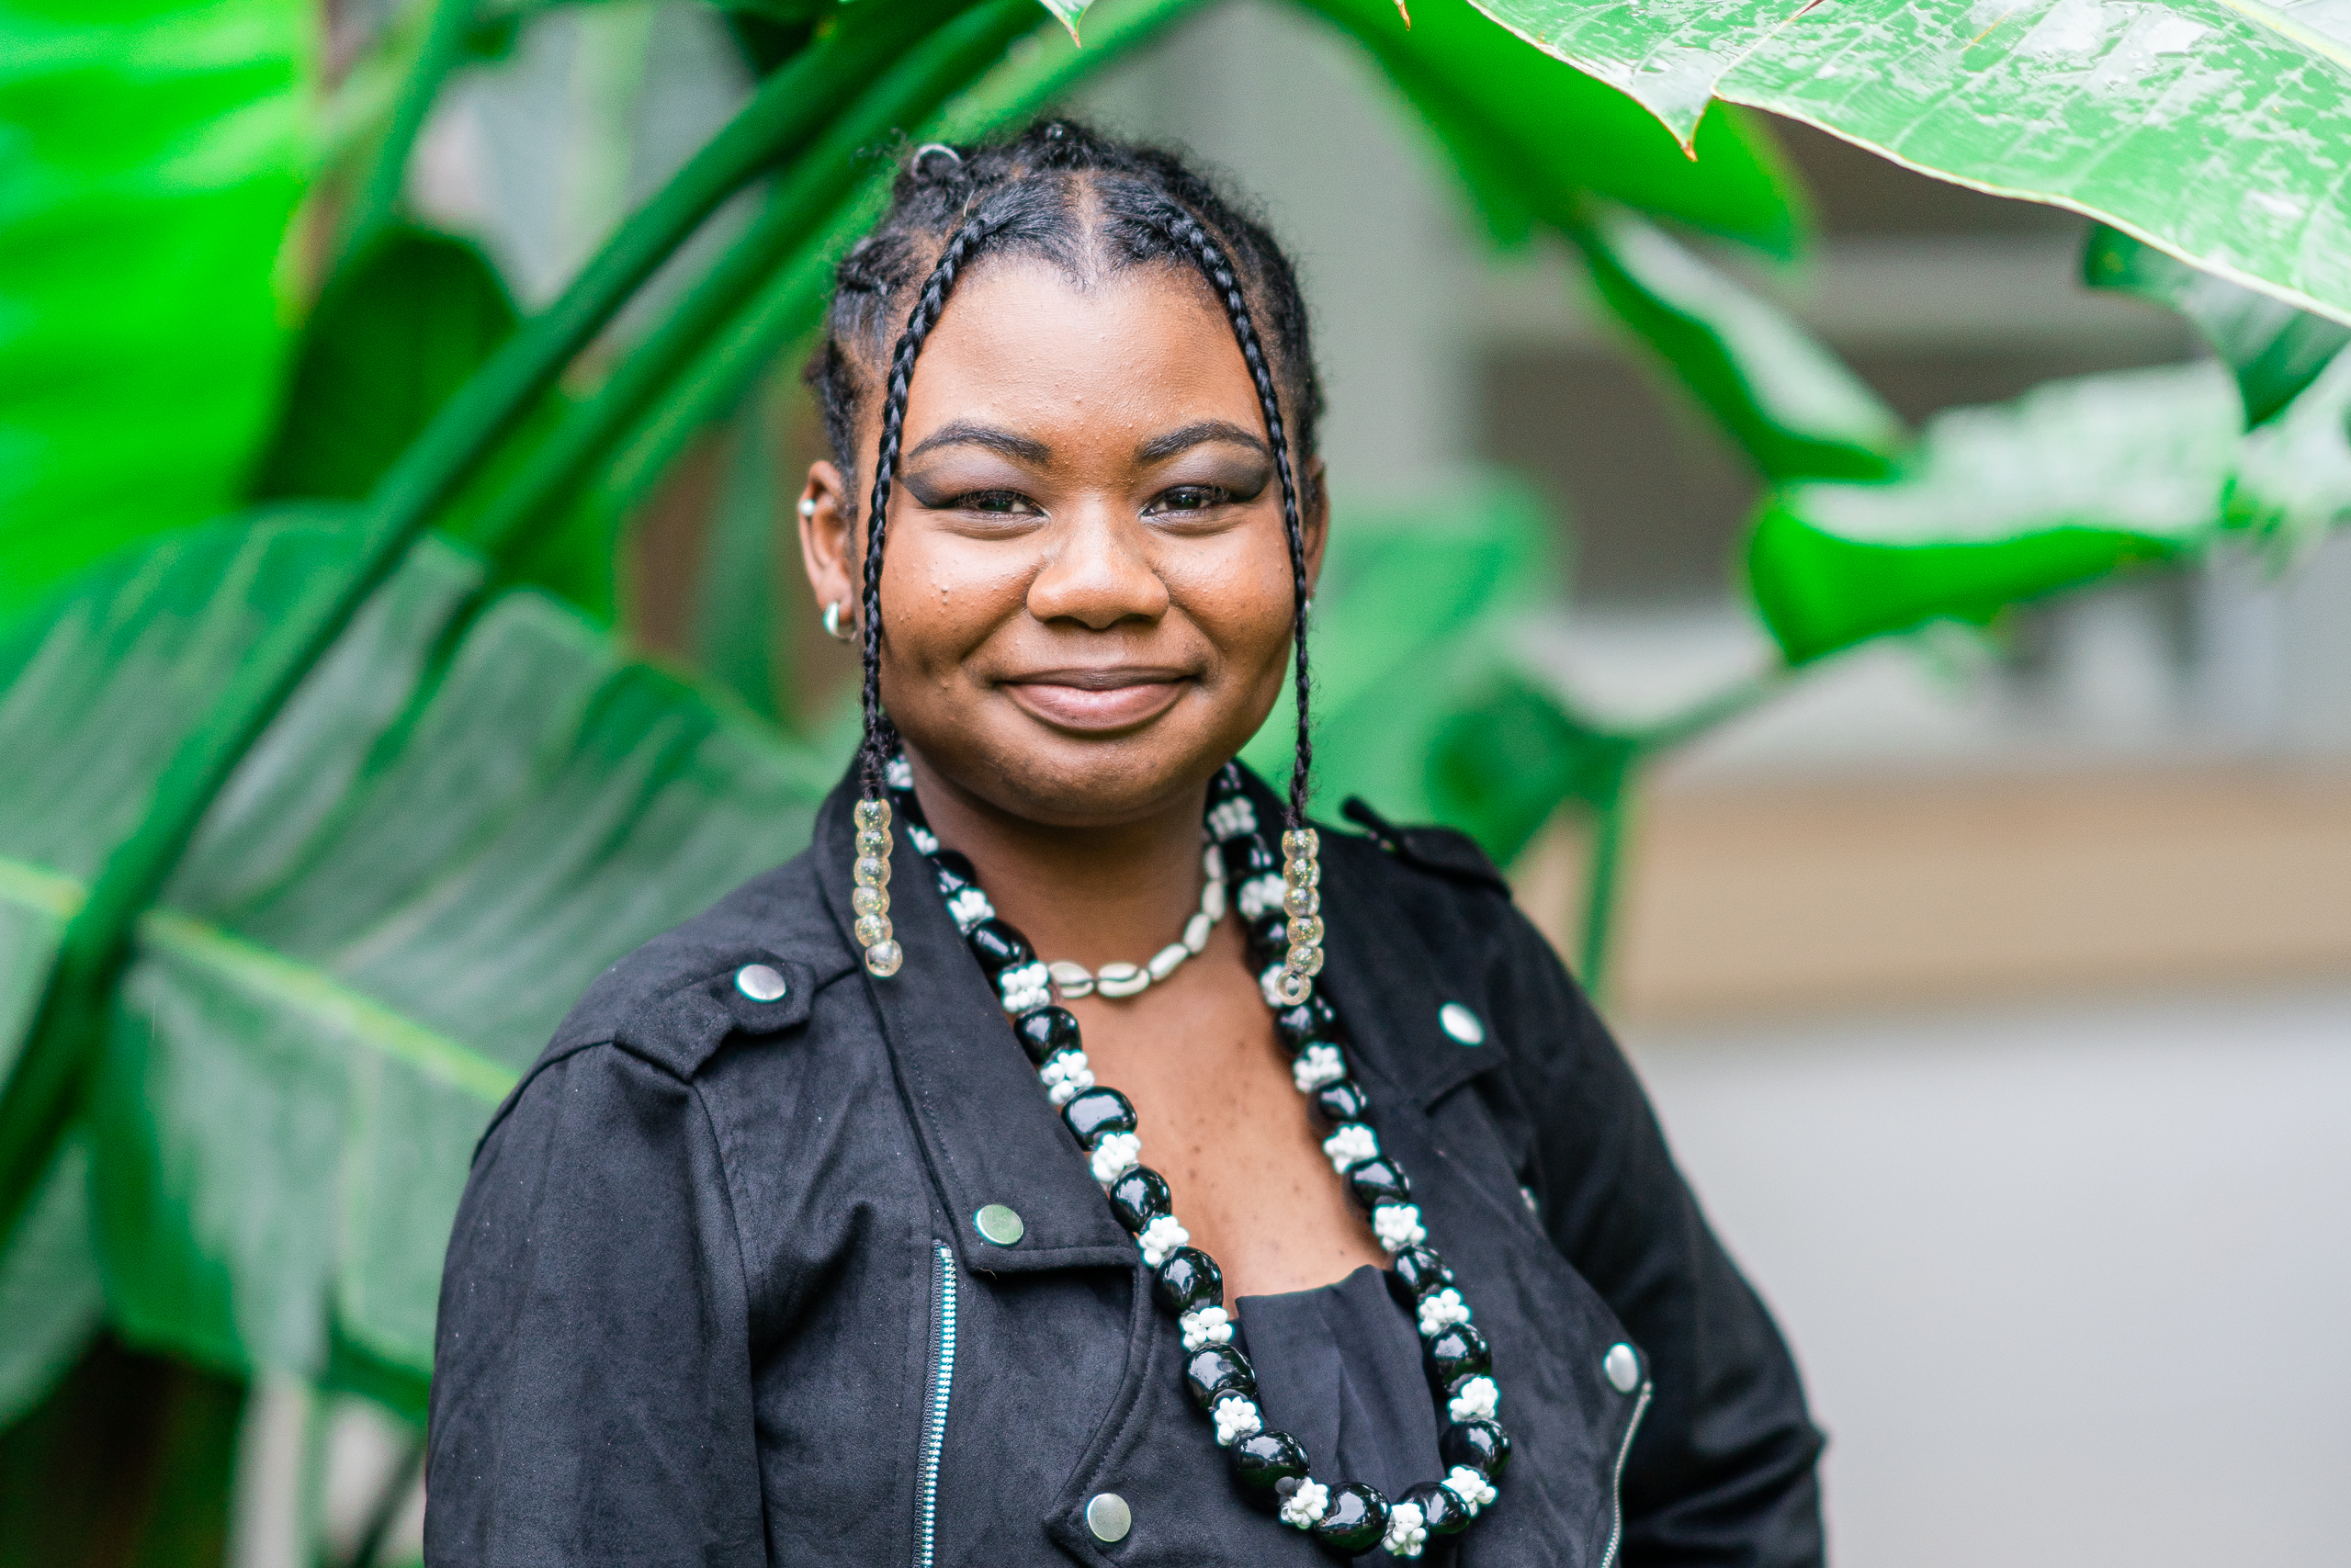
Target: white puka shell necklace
point(1117, 980)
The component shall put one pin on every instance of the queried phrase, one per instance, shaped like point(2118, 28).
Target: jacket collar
point(989, 1135)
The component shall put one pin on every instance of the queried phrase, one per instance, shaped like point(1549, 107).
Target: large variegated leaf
point(2001, 504)
point(454, 826)
point(1551, 130)
point(2212, 128)
point(154, 155)
point(2293, 474)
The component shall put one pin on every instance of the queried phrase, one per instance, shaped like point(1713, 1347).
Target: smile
point(1097, 701)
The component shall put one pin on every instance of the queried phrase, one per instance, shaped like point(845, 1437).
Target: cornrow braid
point(1026, 197)
point(873, 751)
point(1185, 230)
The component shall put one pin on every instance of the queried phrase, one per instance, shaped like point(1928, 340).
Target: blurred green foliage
point(332, 790)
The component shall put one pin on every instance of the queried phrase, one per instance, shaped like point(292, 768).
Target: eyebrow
point(963, 432)
point(1160, 447)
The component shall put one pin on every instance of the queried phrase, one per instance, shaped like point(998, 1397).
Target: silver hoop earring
point(807, 507)
point(832, 622)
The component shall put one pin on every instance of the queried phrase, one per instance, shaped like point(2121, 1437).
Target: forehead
point(1025, 344)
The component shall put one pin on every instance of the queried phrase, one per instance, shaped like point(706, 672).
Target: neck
point(1093, 896)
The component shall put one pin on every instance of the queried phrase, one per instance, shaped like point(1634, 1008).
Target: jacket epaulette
point(1443, 851)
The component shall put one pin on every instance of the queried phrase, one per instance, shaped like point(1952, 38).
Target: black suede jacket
point(717, 1294)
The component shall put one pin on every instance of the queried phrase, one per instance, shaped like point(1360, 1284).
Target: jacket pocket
point(934, 1404)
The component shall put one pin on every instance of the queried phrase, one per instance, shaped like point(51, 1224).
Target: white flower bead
point(1257, 895)
point(1307, 1503)
point(968, 908)
point(1474, 1490)
point(1203, 1326)
point(1160, 1237)
point(1439, 1308)
point(1236, 1419)
point(1232, 819)
point(1352, 1142)
point(1408, 1530)
point(921, 838)
point(898, 772)
point(1478, 1399)
point(1065, 1076)
point(1397, 1226)
point(1115, 1155)
point(1318, 1066)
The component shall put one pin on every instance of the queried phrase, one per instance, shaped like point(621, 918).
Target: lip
point(1098, 700)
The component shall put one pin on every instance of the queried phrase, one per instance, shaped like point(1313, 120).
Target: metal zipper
point(1616, 1480)
point(935, 1415)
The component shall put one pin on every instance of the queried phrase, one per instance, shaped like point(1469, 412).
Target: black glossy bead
point(1481, 1445)
point(1343, 1101)
point(1250, 855)
point(1455, 1351)
point(1310, 1023)
point(1440, 1511)
point(1269, 937)
point(1139, 1197)
point(1217, 1370)
point(1188, 1279)
point(955, 864)
point(1354, 1521)
point(1262, 1460)
point(1378, 1181)
point(1417, 1270)
point(1099, 1111)
point(1045, 1030)
point(998, 946)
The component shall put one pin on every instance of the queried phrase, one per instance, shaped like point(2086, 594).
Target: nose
point(1097, 572)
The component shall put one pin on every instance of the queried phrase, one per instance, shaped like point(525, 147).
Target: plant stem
point(793, 105)
point(379, 197)
point(1601, 885)
point(817, 183)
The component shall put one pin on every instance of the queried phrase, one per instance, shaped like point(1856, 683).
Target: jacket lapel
point(988, 1133)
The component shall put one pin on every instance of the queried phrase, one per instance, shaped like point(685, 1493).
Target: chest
point(1223, 1120)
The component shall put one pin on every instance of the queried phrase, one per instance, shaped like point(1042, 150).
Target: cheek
point(943, 596)
point(1241, 598)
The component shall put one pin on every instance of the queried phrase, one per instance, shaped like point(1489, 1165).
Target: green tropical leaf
point(2275, 349)
point(155, 156)
point(2200, 126)
point(1997, 506)
point(50, 1298)
point(453, 826)
point(1788, 401)
point(2293, 474)
point(1411, 613)
point(1549, 132)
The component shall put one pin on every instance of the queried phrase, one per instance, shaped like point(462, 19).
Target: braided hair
point(1085, 203)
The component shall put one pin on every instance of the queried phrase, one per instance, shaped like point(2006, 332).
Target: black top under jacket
point(716, 1295)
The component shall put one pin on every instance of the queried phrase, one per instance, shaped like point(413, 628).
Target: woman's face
point(1086, 589)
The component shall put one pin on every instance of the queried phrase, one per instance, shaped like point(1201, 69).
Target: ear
point(1314, 519)
point(828, 545)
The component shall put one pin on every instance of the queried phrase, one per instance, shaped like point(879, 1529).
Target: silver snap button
point(1002, 1227)
point(1622, 1367)
point(761, 982)
point(1462, 1024)
point(1108, 1518)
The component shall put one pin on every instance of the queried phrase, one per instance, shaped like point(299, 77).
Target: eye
point(993, 504)
point(1189, 498)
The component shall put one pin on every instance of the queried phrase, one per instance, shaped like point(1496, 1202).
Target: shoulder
point(1444, 853)
point(751, 963)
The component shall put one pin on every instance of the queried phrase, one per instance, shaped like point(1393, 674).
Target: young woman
point(1074, 1154)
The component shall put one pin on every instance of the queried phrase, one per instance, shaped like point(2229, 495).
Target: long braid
point(1187, 231)
point(880, 738)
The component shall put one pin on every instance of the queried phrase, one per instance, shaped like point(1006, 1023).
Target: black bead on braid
point(1090, 206)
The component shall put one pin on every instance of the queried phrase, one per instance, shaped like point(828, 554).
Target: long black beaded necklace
point(1277, 899)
